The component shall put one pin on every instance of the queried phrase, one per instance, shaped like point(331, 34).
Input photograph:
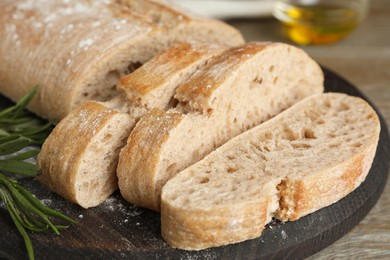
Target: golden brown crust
point(141, 156)
point(212, 76)
point(80, 127)
point(152, 11)
point(198, 229)
point(149, 77)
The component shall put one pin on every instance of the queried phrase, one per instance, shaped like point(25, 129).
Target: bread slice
point(153, 85)
point(237, 90)
point(77, 158)
point(83, 168)
point(306, 158)
point(77, 50)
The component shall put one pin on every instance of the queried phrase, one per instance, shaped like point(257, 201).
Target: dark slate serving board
point(118, 230)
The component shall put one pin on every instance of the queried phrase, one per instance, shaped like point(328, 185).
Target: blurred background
point(358, 51)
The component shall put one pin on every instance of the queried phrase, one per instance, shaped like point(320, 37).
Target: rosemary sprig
point(20, 129)
point(16, 120)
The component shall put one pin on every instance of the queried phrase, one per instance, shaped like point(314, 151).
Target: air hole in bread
point(173, 102)
point(267, 148)
point(251, 177)
point(275, 80)
point(255, 147)
point(231, 157)
point(113, 76)
point(327, 104)
point(300, 145)
point(155, 18)
point(289, 134)
point(133, 66)
point(262, 156)
point(334, 145)
point(107, 138)
point(209, 111)
point(343, 106)
point(256, 81)
point(268, 135)
point(248, 156)
point(271, 69)
point(356, 145)
point(139, 102)
point(204, 180)
point(308, 133)
point(231, 170)
point(370, 116)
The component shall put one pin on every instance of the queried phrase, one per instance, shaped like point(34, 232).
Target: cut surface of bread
point(306, 158)
point(83, 170)
point(77, 50)
point(238, 89)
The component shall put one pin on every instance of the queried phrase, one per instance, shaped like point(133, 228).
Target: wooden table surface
point(363, 58)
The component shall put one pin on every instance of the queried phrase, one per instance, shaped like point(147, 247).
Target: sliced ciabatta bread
point(308, 157)
point(83, 169)
point(77, 50)
point(237, 90)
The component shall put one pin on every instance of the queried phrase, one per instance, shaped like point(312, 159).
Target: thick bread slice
point(237, 90)
point(83, 170)
point(77, 50)
point(306, 158)
point(82, 149)
point(153, 85)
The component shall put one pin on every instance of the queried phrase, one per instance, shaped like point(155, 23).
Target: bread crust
point(197, 230)
point(145, 144)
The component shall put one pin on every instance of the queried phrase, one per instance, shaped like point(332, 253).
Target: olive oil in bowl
point(319, 22)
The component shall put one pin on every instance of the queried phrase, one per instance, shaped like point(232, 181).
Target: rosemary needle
point(20, 129)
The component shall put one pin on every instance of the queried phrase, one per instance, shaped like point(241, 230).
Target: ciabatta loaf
point(77, 50)
point(79, 158)
point(237, 90)
point(306, 158)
